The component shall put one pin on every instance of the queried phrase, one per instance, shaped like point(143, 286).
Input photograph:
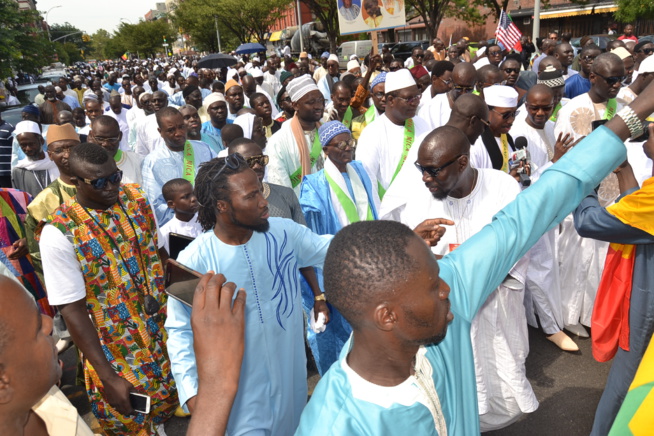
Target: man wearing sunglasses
point(415, 60)
point(578, 84)
point(385, 143)
point(436, 111)
point(575, 119)
point(644, 78)
point(104, 273)
point(642, 50)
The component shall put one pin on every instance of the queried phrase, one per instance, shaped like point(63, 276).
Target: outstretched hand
point(431, 231)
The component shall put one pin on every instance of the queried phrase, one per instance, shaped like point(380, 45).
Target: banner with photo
point(356, 16)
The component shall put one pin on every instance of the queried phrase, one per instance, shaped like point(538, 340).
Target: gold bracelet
point(320, 297)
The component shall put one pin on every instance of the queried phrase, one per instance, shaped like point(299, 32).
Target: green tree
point(100, 41)
point(145, 37)
point(245, 19)
point(632, 10)
point(23, 45)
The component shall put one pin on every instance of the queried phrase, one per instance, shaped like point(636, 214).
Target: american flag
point(507, 34)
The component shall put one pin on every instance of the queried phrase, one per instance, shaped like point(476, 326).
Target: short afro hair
point(364, 262)
point(166, 112)
point(441, 67)
point(87, 153)
point(171, 186)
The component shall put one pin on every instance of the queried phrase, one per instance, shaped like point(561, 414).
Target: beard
point(440, 195)
point(262, 227)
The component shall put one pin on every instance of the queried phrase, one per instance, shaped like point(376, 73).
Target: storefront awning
point(276, 36)
point(588, 10)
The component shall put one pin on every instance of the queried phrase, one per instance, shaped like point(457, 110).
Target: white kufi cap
point(26, 127)
point(499, 96)
point(399, 79)
point(300, 86)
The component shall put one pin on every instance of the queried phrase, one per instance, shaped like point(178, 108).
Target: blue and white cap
point(381, 78)
point(327, 131)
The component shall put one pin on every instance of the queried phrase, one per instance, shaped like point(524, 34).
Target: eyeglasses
point(647, 51)
point(447, 82)
point(260, 159)
point(344, 145)
point(539, 108)
point(287, 99)
point(495, 53)
point(410, 100)
point(611, 80)
point(483, 121)
point(433, 172)
point(101, 140)
point(506, 115)
point(420, 55)
point(379, 95)
point(315, 101)
point(394, 68)
point(102, 182)
point(511, 70)
point(465, 89)
point(588, 58)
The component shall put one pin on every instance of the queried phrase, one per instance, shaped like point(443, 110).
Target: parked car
point(402, 50)
point(381, 45)
point(599, 40)
point(347, 49)
point(25, 95)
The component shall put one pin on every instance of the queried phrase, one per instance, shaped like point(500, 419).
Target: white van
point(347, 49)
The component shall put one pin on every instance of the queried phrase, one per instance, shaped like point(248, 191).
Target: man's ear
point(385, 317)
point(6, 390)
point(221, 206)
point(171, 204)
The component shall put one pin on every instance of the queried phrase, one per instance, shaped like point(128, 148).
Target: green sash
point(346, 202)
point(370, 115)
point(347, 118)
point(189, 163)
point(555, 112)
point(611, 107)
point(409, 137)
point(296, 177)
point(118, 155)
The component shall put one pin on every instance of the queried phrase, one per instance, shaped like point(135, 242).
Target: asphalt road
point(567, 385)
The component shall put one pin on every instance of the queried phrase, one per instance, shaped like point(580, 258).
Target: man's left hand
point(321, 307)
point(18, 249)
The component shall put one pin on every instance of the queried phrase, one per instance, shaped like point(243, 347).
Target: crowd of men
point(465, 201)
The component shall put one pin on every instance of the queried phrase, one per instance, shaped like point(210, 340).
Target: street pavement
point(567, 385)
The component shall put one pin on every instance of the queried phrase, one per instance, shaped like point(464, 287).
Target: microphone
point(521, 155)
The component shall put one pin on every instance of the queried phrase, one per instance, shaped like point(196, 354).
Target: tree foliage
point(632, 10)
point(247, 20)
point(145, 37)
point(23, 45)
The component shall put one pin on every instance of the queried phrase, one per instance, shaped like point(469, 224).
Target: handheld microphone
point(522, 154)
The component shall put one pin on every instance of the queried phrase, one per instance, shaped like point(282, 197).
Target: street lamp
point(46, 19)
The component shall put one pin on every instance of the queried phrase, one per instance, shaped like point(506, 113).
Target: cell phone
point(140, 402)
point(177, 243)
point(595, 124)
point(181, 282)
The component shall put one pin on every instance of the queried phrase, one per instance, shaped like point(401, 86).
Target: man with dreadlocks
point(262, 255)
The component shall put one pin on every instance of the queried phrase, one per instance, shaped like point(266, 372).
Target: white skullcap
point(353, 64)
point(57, 89)
point(300, 86)
point(647, 65)
point(354, 57)
point(27, 127)
point(143, 94)
point(256, 72)
point(500, 96)
point(622, 52)
point(399, 79)
point(255, 59)
point(212, 98)
point(332, 57)
point(246, 121)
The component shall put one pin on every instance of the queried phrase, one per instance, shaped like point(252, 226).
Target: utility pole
point(299, 25)
point(215, 18)
point(535, 33)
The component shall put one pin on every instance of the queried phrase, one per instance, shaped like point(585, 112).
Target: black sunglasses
point(611, 80)
point(511, 70)
point(102, 182)
point(506, 115)
point(232, 161)
point(433, 172)
point(260, 159)
point(647, 51)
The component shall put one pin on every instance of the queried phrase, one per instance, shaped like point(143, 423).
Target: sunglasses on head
point(433, 172)
point(102, 182)
point(260, 159)
point(611, 80)
point(232, 161)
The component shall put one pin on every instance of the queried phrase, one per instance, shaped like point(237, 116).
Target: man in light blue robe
point(264, 260)
point(441, 393)
point(166, 162)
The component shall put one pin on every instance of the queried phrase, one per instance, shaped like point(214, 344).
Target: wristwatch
point(320, 297)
